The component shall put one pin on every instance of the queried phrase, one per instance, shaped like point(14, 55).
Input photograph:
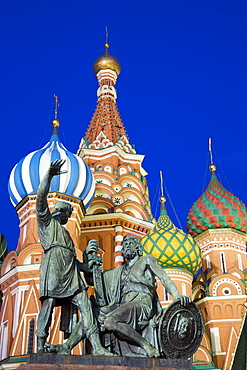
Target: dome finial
point(212, 166)
point(106, 38)
point(55, 122)
point(162, 198)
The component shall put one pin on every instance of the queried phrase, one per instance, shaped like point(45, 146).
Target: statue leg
point(115, 323)
point(44, 322)
point(89, 325)
point(85, 327)
point(75, 337)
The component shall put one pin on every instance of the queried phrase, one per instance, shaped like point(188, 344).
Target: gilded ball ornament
point(212, 167)
point(55, 123)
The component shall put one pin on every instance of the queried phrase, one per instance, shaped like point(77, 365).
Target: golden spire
point(55, 122)
point(162, 198)
point(106, 38)
point(212, 166)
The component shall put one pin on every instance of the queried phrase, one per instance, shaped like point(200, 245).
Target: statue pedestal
point(89, 362)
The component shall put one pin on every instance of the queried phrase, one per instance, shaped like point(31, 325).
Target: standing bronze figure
point(60, 278)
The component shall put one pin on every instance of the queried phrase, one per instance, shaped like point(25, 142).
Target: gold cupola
point(107, 61)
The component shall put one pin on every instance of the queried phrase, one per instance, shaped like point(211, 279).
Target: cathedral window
point(30, 336)
point(108, 169)
point(123, 171)
point(223, 262)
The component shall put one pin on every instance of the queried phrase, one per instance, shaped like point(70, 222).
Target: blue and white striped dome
point(27, 174)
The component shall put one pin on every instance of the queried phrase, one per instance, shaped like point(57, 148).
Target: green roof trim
point(202, 367)
point(15, 359)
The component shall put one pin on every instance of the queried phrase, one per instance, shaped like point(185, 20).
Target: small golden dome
point(212, 168)
point(55, 123)
point(106, 61)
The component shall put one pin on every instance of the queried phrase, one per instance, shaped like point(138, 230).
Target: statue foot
point(60, 349)
point(151, 351)
point(40, 345)
point(40, 351)
point(103, 352)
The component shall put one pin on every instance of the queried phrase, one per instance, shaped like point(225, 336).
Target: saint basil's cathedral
point(106, 185)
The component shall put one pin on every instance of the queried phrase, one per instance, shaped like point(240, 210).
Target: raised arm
point(44, 186)
point(166, 280)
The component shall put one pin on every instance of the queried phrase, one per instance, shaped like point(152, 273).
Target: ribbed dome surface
point(27, 174)
point(171, 246)
point(216, 208)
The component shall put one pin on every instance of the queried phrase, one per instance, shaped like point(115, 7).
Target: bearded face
point(130, 249)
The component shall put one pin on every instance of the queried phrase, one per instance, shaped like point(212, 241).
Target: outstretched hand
point(55, 167)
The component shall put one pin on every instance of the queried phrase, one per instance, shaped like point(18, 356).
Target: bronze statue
point(60, 278)
point(132, 308)
point(132, 302)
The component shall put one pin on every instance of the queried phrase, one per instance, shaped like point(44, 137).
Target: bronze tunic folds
point(59, 274)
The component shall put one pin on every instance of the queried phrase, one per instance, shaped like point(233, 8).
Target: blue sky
point(183, 80)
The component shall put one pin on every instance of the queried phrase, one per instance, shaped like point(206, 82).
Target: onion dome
point(171, 246)
point(216, 208)
point(3, 247)
point(107, 61)
point(27, 174)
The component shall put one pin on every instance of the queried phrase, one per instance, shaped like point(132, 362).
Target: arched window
point(30, 336)
point(122, 171)
point(108, 169)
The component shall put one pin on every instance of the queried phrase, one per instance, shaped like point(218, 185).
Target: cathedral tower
point(121, 205)
point(217, 220)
